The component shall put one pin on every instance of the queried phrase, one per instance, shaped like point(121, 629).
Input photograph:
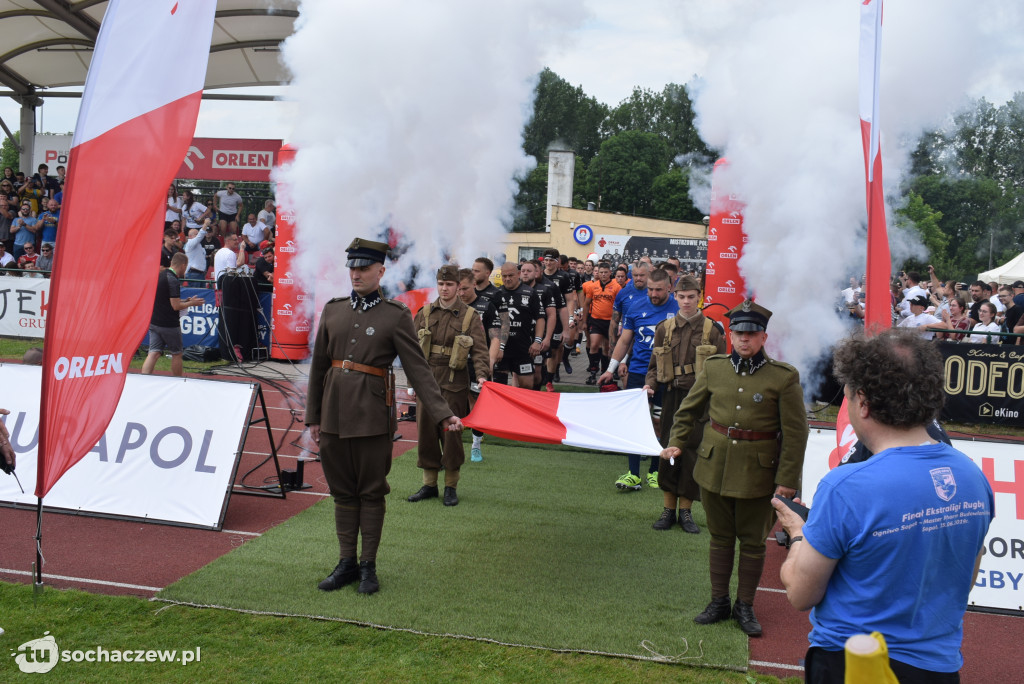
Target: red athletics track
point(121, 557)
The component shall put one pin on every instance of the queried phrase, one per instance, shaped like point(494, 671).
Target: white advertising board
point(168, 455)
point(1000, 581)
point(23, 304)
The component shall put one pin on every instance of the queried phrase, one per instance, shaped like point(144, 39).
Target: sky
point(617, 46)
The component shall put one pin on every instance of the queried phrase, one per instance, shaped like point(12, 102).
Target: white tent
point(1008, 273)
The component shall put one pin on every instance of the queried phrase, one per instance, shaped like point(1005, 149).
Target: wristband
point(571, 320)
point(794, 540)
point(612, 365)
point(538, 340)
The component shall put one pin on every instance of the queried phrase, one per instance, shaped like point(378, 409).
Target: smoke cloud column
point(778, 97)
point(410, 116)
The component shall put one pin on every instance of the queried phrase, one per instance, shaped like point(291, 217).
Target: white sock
point(477, 441)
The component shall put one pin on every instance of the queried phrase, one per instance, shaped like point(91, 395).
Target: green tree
point(621, 176)
point(671, 197)
point(926, 222)
point(668, 113)
point(9, 155)
point(565, 116)
point(531, 201)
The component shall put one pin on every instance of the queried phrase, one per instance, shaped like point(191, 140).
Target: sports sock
point(477, 439)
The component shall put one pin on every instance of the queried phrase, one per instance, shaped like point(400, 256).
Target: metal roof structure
point(47, 44)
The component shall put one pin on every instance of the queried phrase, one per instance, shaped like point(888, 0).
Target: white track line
point(248, 534)
point(774, 591)
point(82, 579)
point(780, 666)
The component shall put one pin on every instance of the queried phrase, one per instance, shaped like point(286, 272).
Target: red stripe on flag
point(517, 414)
point(106, 263)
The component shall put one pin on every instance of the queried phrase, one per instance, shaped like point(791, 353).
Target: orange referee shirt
point(601, 298)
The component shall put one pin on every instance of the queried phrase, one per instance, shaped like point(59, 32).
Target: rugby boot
point(346, 572)
point(743, 613)
point(716, 611)
point(666, 521)
point(368, 583)
point(568, 366)
point(425, 492)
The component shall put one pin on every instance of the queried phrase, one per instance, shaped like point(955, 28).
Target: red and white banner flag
point(137, 118)
point(612, 421)
point(877, 306)
point(724, 286)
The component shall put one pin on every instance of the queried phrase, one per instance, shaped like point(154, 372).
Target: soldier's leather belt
point(361, 368)
point(737, 433)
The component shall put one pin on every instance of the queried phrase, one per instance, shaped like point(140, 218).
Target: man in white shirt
point(910, 281)
point(919, 319)
point(253, 233)
point(267, 215)
point(227, 257)
point(229, 206)
point(196, 253)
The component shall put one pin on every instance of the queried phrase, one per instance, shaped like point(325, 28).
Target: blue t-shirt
point(642, 317)
point(49, 220)
point(24, 234)
point(906, 526)
point(627, 295)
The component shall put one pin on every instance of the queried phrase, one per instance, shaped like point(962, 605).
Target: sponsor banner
point(984, 383)
point(691, 252)
point(292, 317)
point(52, 150)
point(164, 457)
point(230, 159)
point(23, 306)
point(1000, 582)
point(723, 287)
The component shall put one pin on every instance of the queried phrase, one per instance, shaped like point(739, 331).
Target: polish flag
point(613, 421)
point(877, 305)
point(137, 118)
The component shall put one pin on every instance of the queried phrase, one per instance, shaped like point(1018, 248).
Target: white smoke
point(410, 116)
point(778, 97)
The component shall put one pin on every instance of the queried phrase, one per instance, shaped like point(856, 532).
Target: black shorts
point(228, 218)
point(517, 361)
point(596, 326)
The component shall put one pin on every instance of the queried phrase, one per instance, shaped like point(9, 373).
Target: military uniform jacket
point(769, 399)
point(349, 403)
point(444, 325)
point(685, 338)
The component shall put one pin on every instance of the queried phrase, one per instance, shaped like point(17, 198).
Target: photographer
point(870, 557)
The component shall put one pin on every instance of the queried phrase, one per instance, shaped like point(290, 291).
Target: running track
point(122, 557)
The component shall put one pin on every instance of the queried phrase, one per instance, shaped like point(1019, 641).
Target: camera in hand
point(782, 537)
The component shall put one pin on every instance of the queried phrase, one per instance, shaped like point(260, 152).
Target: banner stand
point(272, 491)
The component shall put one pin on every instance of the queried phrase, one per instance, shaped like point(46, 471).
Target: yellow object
point(867, 660)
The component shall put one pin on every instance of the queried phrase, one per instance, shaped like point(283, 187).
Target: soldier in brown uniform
point(681, 345)
point(348, 407)
point(452, 337)
point(751, 448)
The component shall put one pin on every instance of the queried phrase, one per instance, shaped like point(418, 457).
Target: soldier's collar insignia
point(740, 364)
point(368, 302)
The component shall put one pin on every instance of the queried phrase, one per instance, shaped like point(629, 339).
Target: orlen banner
point(291, 319)
point(165, 456)
point(230, 159)
point(723, 287)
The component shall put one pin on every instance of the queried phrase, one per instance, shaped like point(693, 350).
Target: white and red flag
point(877, 305)
point(138, 115)
point(612, 421)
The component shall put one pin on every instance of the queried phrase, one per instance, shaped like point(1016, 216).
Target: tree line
point(965, 198)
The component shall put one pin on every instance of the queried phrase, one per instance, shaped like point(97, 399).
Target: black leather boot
point(368, 583)
point(686, 522)
point(666, 521)
point(346, 572)
point(716, 611)
point(450, 497)
point(744, 614)
point(425, 492)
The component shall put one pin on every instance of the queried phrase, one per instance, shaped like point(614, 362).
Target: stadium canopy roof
point(47, 44)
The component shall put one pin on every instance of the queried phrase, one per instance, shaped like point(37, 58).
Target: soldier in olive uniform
point(452, 336)
point(348, 407)
point(680, 338)
point(752, 448)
